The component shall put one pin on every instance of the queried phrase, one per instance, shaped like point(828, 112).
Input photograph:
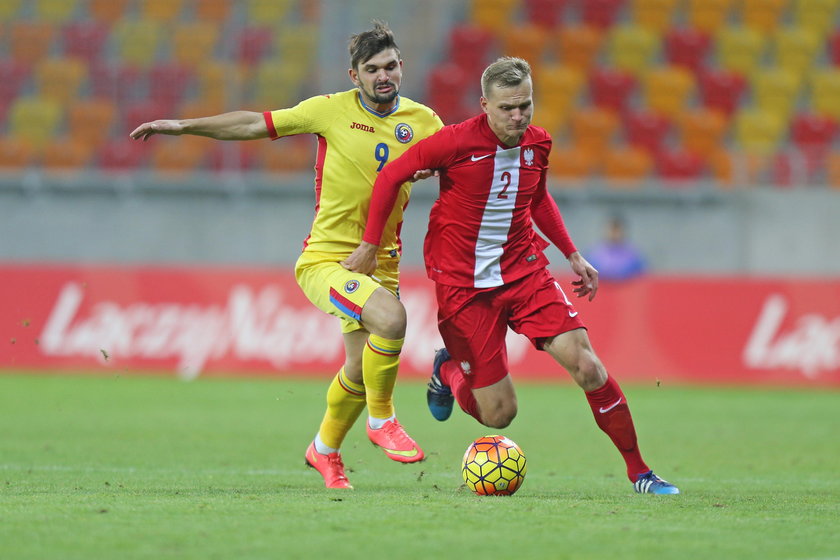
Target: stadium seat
point(556, 92)
point(571, 162)
point(578, 45)
point(194, 42)
point(13, 76)
point(721, 90)
point(122, 84)
point(627, 166)
point(687, 48)
point(180, 155)
point(632, 48)
point(64, 154)
point(646, 130)
point(795, 48)
point(292, 154)
point(593, 128)
point(273, 89)
point(707, 15)
point(55, 11)
point(447, 86)
point(15, 154)
point(34, 120)
point(493, 15)
point(30, 42)
point(10, 10)
point(90, 120)
point(200, 108)
point(144, 111)
point(702, 130)
point(253, 44)
point(832, 165)
point(220, 81)
point(601, 14)
point(138, 41)
point(297, 46)
point(215, 11)
point(234, 156)
point(123, 155)
point(161, 11)
point(610, 88)
point(108, 11)
point(833, 48)
point(762, 15)
point(85, 40)
point(740, 49)
point(168, 83)
point(655, 15)
point(720, 165)
point(825, 92)
point(667, 89)
point(525, 41)
point(758, 132)
point(679, 165)
point(60, 78)
point(810, 132)
point(819, 16)
point(470, 47)
point(260, 12)
point(545, 13)
point(776, 90)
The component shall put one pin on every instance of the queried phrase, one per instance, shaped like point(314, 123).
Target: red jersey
point(480, 228)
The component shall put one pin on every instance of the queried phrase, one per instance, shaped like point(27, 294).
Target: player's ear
point(354, 76)
point(483, 102)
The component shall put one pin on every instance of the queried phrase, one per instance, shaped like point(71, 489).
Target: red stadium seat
point(679, 165)
point(145, 111)
point(470, 46)
point(85, 40)
point(687, 48)
point(545, 13)
point(813, 132)
point(253, 44)
point(168, 82)
point(721, 89)
point(600, 13)
point(119, 83)
point(123, 155)
point(610, 88)
point(13, 75)
point(234, 156)
point(646, 130)
point(834, 48)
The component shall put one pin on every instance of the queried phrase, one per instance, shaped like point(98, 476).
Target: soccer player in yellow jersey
point(358, 131)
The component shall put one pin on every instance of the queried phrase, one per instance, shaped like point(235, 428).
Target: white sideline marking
point(136, 470)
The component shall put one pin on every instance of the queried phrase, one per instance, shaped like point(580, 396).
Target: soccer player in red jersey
point(489, 269)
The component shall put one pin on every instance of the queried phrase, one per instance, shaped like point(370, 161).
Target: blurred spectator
point(615, 257)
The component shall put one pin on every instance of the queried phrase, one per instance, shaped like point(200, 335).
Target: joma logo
point(359, 126)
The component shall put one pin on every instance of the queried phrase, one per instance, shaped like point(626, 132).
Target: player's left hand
point(362, 259)
point(587, 284)
point(424, 174)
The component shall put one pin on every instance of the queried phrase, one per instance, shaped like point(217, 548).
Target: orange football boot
point(330, 467)
point(396, 444)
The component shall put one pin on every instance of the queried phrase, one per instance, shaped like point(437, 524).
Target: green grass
point(146, 467)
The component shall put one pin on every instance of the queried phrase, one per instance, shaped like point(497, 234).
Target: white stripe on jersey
point(497, 217)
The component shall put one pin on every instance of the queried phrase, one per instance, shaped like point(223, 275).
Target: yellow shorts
point(337, 291)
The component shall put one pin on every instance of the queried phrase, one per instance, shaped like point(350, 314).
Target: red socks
point(613, 417)
point(451, 376)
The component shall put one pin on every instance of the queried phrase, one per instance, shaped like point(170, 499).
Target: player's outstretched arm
point(237, 125)
point(587, 284)
point(362, 259)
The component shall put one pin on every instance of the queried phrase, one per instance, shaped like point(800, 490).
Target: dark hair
point(507, 71)
point(368, 43)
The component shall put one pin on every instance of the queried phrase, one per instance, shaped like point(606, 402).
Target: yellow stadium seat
point(108, 11)
point(740, 48)
point(667, 89)
point(89, 120)
point(273, 89)
point(162, 11)
point(818, 16)
point(525, 41)
point(578, 45)
point(762, 15)
point(34, 120)
point(707, 15)
point(30, 42)
point(220, 81)
point(631, 48)
point(55, 11)
point(60, 78)
point(795, 48)
point(655, 15)
point(296, 42)
point(627, 166)
point(776, 90)
point(495, 15)
point(15, 154)
point(557, 89)
point(194, 42)
point(825, 93)
point(138, 41)
point(758, 132)
point(593, 128)
point(268, 12)
point(702, 130)
point(9, 10)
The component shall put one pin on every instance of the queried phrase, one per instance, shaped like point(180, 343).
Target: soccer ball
point(493, 466)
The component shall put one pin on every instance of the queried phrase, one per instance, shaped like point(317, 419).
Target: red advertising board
point(256, 321)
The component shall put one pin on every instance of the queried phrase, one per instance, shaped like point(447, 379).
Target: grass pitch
point(146, 467)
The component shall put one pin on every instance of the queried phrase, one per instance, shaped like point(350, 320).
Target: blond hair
point(507, 71)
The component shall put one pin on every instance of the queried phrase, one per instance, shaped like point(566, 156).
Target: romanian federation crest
point(404, 133)
point(351, 286)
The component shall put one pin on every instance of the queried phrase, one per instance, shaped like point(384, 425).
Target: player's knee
point(499, 418)
point(385, 316)
point(590, 372)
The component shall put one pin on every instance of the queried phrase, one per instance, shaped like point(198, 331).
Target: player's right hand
point(362, 259)
point(145, 130)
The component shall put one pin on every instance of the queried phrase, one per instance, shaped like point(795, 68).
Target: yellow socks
point(345, 401)
point(380, 361)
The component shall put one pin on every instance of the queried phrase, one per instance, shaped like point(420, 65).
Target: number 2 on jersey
point(381, 155)
point(506, 177)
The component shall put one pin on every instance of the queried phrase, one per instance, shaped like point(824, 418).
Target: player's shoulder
point(538, 134)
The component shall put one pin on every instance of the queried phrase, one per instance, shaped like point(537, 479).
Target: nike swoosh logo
point(476, 158)
point(603, 410)
point(573, 314)
point(409, 453)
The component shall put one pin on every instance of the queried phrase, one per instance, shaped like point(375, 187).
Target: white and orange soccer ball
point(494, 466)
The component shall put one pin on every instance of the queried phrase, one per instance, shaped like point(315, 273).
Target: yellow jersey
point(354, 144)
